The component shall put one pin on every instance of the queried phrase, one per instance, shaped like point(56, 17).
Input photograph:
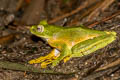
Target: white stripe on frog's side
point(57, 52)
point(40, 28)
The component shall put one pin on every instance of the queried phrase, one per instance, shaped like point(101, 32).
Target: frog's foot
point(55, 62)
point(54, 54)
point(66, 59)
point(45, 63)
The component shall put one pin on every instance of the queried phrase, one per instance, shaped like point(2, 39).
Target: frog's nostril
point(34, 30)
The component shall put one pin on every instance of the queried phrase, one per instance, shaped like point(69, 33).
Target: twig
point(85, 13)
point(29, 68)
point(104, 19)
point(102, 7)
point(95, 75)
point(98, 74)
point(115, 63)
point(7, 39)
point(69, 14)
point(20, 2)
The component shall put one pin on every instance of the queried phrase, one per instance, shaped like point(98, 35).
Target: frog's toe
point(44, 64)
point(45, 60)
point(38, 60)
point(54, 63)
point(31, 61)
point(66, 59)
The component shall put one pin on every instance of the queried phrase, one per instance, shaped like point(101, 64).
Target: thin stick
point(68, 14)
point(117, 62)
point(105, 4)
point(104, 19)
point(28, 68)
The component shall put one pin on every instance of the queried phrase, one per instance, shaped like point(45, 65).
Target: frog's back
point(74, 35)
point(77, 33)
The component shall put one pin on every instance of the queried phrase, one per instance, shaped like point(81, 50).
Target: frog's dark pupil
point(38, 29)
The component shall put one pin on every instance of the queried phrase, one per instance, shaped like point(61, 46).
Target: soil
point(18, 45)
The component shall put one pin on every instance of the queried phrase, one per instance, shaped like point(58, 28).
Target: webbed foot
point(48, 59)
point(66, 59)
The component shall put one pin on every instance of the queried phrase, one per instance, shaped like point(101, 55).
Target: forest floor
point(18, 45)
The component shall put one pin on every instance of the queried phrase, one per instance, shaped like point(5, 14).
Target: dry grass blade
point(98, 74)
point(29, 68)
point(115, 63)
point(19, 5)
point(85, 4)
point(85, 13)
point(101, 8)
point(7, 39)
point(105, 19)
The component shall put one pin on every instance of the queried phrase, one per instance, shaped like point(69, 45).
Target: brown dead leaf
point(4, 40)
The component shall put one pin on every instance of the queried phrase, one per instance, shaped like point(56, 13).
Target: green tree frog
point(69, 42)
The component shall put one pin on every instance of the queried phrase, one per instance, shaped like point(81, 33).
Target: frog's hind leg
point(45, 60)
point(67, 58)
point(64, 53)
point(91, 45)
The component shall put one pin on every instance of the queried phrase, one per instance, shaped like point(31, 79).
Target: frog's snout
point(33, 29)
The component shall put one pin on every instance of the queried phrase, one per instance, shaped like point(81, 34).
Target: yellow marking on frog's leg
point(46, 59)
point(44, 64)
point(66, 59)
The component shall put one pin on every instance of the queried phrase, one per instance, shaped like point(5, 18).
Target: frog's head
point(39, 30)
point(42, 30)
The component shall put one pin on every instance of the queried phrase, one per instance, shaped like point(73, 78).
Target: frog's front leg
point(65, 51)
point(45, 60)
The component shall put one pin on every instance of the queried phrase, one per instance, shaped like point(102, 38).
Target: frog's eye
point(40, 28)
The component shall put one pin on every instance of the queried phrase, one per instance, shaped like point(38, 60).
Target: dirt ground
point(18, 45)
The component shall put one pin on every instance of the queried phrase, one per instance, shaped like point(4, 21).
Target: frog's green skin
point(69, 42)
